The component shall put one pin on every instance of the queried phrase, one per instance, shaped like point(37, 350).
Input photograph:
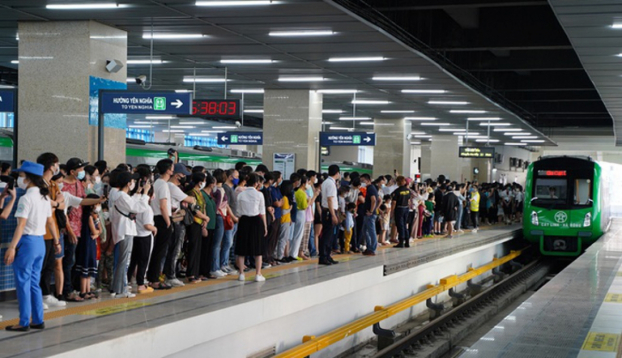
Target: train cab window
point(582, 192)
point(550, 191)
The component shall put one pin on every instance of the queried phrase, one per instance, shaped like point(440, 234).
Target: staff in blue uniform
point(27, 248)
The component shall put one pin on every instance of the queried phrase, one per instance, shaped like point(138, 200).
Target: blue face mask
point(235, 181)
point(81, 175)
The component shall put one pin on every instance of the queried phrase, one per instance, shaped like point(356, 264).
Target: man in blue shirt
point(369, 222)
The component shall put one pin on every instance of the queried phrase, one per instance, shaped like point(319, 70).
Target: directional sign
point(6, 101)
point(146, 102)
point(476, 152)
point(240, 138)
point(347, 138)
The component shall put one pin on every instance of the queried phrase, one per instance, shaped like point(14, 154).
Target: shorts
point(438, 217)
point(519, 207)
point(62, 248)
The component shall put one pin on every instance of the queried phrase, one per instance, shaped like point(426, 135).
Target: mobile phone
point(9, 180)
point(11, 184)
point(106, 189)
point(142, 183)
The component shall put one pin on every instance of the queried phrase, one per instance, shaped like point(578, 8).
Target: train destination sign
point(145, 102)
point(328, 139)
point(240, 138)
point(7, 101)
point(477, 152)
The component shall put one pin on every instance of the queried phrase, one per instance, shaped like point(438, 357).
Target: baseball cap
point(181, 169)
point(31, 168)
point(76, 163)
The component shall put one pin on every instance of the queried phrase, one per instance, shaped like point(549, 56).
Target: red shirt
point(74, 215)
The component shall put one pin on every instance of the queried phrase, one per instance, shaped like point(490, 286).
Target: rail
point(313, 344)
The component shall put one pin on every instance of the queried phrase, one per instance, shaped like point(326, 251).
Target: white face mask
point(57, 170)
point(363, 185)
point(202, 186)
point(60, 186)
point(132, 184)
point(105, 215)
point(21, 183)
point(98, 180)
point(315, 181)
point(98, 209)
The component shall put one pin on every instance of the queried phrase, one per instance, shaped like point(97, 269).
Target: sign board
point(145, 102)
point(240, 138)
point(477, 152)
point(216, 108)
point(347, 139)
point(7, 101)
point(284, 163)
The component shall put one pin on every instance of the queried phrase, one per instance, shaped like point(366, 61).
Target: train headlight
point(587, 221)
point(534, 218)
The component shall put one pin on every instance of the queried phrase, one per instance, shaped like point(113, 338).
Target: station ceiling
point(505, 59)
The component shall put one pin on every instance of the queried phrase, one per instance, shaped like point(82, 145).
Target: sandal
point(86, 296)
point(161, 286)
point(72, 297)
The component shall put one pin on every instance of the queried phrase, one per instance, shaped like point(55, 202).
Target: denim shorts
point(62, 248)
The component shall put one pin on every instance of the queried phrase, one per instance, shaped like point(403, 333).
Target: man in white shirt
point(329, 215)
point(179, 229)
point(161, 206)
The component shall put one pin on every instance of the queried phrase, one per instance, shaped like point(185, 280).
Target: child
point(86, 250)
point(428, 223)
point(385, 220)
point(349, 226)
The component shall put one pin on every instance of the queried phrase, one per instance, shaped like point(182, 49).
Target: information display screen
point(216, 108)
point(477, 152)
point(552, 173)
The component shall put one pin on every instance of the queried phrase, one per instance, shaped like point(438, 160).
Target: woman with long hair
point(252, 229)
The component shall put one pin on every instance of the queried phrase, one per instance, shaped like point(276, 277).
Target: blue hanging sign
point(328, 139)
point(240, 138)
point(7, 101)
point(145, 102)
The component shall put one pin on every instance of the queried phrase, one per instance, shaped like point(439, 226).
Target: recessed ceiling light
point(301, 79)
point(532, 141)
point(516, 133)
point(396, 78)
point(85, 6)
point(224, 127)
point(506, 129)
point(172, 36)
point(356, 59)
point(144, 62)
point(495, 124)
point(173, 131)
point(508, 143)
point(341, 128)
point(191, 122)
point(525, 137)
point(301, 33)
point(182, 127)
point(449, 103)
point(473, 111)
point(487, 140)
point(251, 61)
point(249, 90)
point(15, 62)
point(434, 124)
point(420, 118)
point(422, 91)
point(369, 101)
point(332, 111)
point(354, 118)
point(397, 111)
point(253, 111)
point(183, 91)
point(205, 80)
point(484, 119)
point(338, 91)
point(237, 3)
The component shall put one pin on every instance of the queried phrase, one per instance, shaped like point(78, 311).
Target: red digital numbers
point(216, 108)
point(552, 173)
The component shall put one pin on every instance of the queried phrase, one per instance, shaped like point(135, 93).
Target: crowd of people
point(133, 230)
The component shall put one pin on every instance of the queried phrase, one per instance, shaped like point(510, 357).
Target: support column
point(392, 150)
point(62, 65)
point(444, 159)
point(292, 121)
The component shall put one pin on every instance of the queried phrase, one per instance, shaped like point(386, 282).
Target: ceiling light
point(173, 131)
point(144, 62)
point(465, 134)
point(450, 129)
point(508, 143)
point(211, 131)
point(495, 124)
point(415, 143)
point(250, 90)
point(434, 124)
point(354, 118)
point(467, 111)
point(332, 111)
point(420, 118)
point(15, 62)
point(487, 140)
point(196, 122)
point(397, 111)
point(160, 117)
point(532, 140)
point(506, 129)
point(224, 127)
point(301, 79)
point(130, 79)
point(423, 136)
point(256, 61)
point(140, 126)
point(337, 91)
point(301, 33)
point(205, 79)
point(422, 91)
point(366, 123)
point(356, 59)
point(183, 91)
point(341, 128)
point(237, 3)
point(253, 111)
point(369, 101)
point(484, 119)
point(416, 133)
point(200, 134)
point(86, 6)
point(173, 36)
point(142, 122)
point(616, 26)
point(396, 78)
point(377, 124)
point(525, 137)
point(449, 103)
point(516, 133)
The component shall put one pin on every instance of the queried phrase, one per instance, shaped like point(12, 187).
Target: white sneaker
point(45, 307)
point(241, 278)
point(51, 301)
point(125, 295)
point(229, 271)
point(225, 269)
point(175, 283)
point(259, 278)
point(217, 274)
point(474, 231)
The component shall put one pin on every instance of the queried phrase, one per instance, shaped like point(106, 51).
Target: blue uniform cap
point(31, 168)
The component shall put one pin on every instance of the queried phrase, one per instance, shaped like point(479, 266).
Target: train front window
point(550, 191)
point(582, 192)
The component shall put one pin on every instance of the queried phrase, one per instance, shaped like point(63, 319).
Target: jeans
point(401, 218)
point(68, 261)
point(369, 230)
point(284, 230)
point(27, 271)
point(179, 235)
point(294, 246)
point(226, 245)
point(327, 237)
point(312, 248)
point(219, 232)
point(459, 221)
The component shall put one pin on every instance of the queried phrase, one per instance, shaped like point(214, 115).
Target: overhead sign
point(145, 102)
point(7, 101)
point(216, 108)
point(477, 152)
point(240, 138)
point(347, 138)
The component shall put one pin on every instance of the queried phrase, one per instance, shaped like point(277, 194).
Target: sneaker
point(259, 278)
point(474, 231)
point(226, 269)
point(218, 274)
point(265, 265)
point(175, 283)
point(51, 301)
point(241, 278)
point(124, 295)
point(45, 307)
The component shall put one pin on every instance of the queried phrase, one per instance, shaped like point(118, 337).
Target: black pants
point(358, 239)
point(205, 266)
point(328, 235)
point(68, 261)
point(49, 261)
point(139, 259)
point(193, 254)
point(475, 219)
point(401, 222)
point(160, 248)
point(273, 240)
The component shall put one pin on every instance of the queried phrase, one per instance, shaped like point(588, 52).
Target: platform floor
point(577, 314)
point(90, 323)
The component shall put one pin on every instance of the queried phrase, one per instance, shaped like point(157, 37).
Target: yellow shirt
point(287, 217)
point(475, 201)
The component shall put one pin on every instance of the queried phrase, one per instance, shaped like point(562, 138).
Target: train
point(569, 203)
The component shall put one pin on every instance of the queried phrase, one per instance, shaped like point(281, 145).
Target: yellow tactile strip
point(126, 304)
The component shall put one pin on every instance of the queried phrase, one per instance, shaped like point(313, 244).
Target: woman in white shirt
point(122, 217)
point(27, 248)
point(252, 228)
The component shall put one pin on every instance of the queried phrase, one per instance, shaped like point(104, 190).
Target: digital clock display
point(216, 108)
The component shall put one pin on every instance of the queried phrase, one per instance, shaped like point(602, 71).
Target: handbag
point(228, 221)
point(61, 219)
point(188, 218)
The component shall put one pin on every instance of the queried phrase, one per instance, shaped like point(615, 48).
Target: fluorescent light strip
point(449, 103)
point(144, 62)
point(420, 118)
point(140, 126)
point(196, 123)
point(354, 118)
point(183, 127)
point(143, 122)
point(525, 137)
point(423, 136)
point(434, 124)
point(417, 133)
point(422, 91)
point(396, 78)
point(356, 59)
point(341, 128)
point(91, 6)
point(173, 131)
point(616, 26)
point(301, 79)
point(338, 91)
point(173, 36)
point(256, 61)
point(508, 143)
point(397, 111)
point(332, 111)
point(532, 141)
point(506, 129)
point(492, 119)
point(204, 80)
point(250, 90)
point(253, 111)
point(487, 140)
point(473, 111)
point(183, 91)
point(301, 33)
point(237, 3)
point(464, 134)
point(369, 101)
point(516, 133)
point(377, 124)
point(451, 129)
point(224, 127)
point(200, 134)
point(160, 117)
point(495, 124)
point(15, 62)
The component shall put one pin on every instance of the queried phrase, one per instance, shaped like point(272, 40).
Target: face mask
point(81, 175)
point(105, 215)
point(21, 184)
point(57, 170)
point(98, 209)
point(182, 179)
point(132, 184)
point(235, 181)
point(383, 186)
point(60, 186)
point(363, 185)
point(98, 180)
point(315, 181)
point(202, 186)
